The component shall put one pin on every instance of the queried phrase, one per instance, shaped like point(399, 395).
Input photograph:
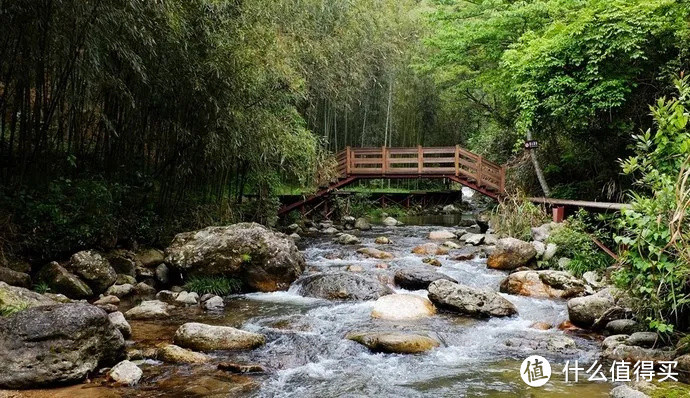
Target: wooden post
point(347, 160)
point(420, 159)
point(457, 160)
point(479, 171)
point(503, 179)
point(384, 162)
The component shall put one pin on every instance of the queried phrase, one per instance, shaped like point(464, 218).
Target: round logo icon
point(535, 371)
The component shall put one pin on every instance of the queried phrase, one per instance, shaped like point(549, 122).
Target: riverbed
point(306, 354)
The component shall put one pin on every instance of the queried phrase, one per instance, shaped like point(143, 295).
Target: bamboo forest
point(344, 198)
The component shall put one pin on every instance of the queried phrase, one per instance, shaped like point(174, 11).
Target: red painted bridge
point(453, 163)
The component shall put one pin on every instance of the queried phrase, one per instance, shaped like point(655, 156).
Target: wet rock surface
point(264, 260)
point(469, 301)
point(56, 344)
point(342, 286)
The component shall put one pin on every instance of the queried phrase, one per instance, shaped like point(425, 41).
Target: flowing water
point(307, 356)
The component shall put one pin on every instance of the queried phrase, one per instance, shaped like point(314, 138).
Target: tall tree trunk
point(537, 168)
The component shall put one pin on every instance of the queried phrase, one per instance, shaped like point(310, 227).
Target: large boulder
point(95, 270)
point(548, 284)
point(394, 342)
point(469, 301)
point(511, 253)
point(64, 282)
point(342, 286)
point(16, 298)
point(399, 307)
point(14, 278)
point(149, 258)
point(202, 337)
point(122, 261)
point(584, 311)
point(264, 260)
point(56, 344)
point(418, 278)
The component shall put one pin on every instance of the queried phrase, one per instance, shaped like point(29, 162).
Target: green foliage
point(575, 242)
point(514, 216)
point(655, 268)
point(8, 310)
point(577, 74)
point(41, 287)
point(218, 285)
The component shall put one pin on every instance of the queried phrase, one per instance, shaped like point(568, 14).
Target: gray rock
point(644, 339)
point(118, 319)
point(394, 342)
point(215, 303)
point(163, 274)
point(511, 253)
point(391, 222)
point(123, 279)
point(630, 353)
point(167, 296)
point(342, 286)
point(542, 232)
point(57, 344)
point(550, 251)
point(330, 231)
point(150, 258)
point(556, 343)
point(613, 341)
point(347, 239)
point(683, 368)
point(540, 248)
point(16, 297)
point(202, 337)
point(93, 269)
point(450, 245)
point(564, 262)
point(450, 209)
point(264, 260)
point(107, 300)
point(441, 235)
point(122, 261)
point(62, 281)
point(14, 278)
point(294, 229)
point(125, 373)
point(295, 237)
point(362, 224)
point(468, 300)
point(622, 326)
point(144, 289)
point(592, 279)
point(418, 278)
point(624, 391)
point(120, 290)
point(187, 298)
point(474, 239)
point(490, 239)
point(584, 311)
point(151, 309)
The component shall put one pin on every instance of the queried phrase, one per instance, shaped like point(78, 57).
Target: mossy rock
point(667, 389)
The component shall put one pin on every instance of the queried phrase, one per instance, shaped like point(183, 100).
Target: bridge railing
point(419, 161)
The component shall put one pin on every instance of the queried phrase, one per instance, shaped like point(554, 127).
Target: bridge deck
point(454, 163)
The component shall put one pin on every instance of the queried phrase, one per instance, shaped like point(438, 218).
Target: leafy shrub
point(574, 242)
point(654, 267)
point(218, 285)
point(514, 216)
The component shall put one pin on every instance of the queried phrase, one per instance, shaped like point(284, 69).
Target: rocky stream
point(406, 310)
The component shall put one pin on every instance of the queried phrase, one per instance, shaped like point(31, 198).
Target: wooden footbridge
point(453, 163)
